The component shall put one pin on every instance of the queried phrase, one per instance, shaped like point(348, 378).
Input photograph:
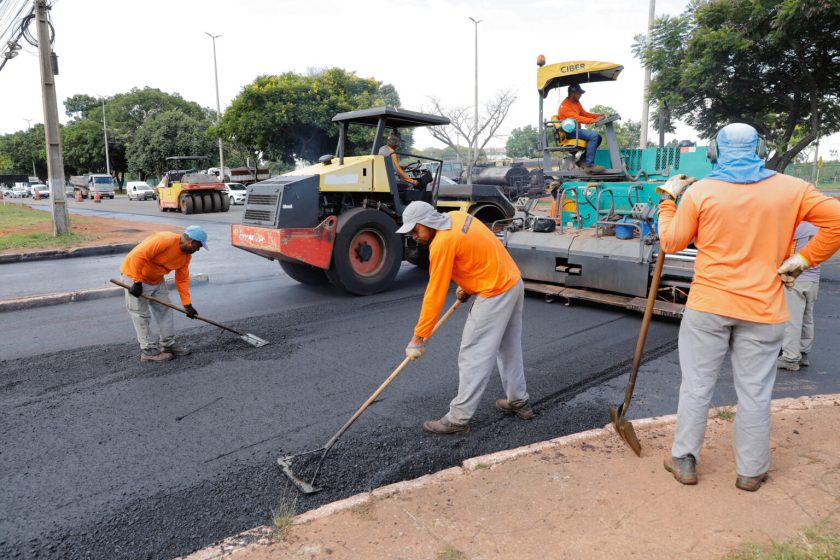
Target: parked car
point(139, 190)
point(42, 190)
point(68, 191)
point(7, 192)
point(236, 192)
point(20, 191)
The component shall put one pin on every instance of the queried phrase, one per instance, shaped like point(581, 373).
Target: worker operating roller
point(463, 249)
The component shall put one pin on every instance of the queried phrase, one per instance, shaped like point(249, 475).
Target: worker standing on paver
point(463, 249)
point(144, 268)
point(799, 332)
point(570, 107)
point(741, 218)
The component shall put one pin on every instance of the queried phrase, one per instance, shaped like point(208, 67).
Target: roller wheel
point(305, 274)
point(367, 252)
point(208, 202)
point(217, 202)
point(225, 203)
point(198, 203)
point(186, 204)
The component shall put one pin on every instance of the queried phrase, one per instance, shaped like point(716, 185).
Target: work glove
point(462, 295)
point(791, 268)
point(136, 289)
point(675, 186)
point(191, 312)
point(416, 347)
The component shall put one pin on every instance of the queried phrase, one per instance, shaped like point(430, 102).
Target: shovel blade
point(253, 340)
point(285, 464)
point(625, 431)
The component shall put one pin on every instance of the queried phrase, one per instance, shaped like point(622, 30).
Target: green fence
point(828, 175)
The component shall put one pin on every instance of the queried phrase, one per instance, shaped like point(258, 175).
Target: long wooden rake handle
point(176, 308)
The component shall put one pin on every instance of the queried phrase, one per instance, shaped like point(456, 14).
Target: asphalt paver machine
point(336, 220)
point(593, 237)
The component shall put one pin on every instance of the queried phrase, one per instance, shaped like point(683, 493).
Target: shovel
point(285, 463)
point(623, 427)
point(251, 339)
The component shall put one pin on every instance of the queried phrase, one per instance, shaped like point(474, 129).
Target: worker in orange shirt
point(742, 218)
point(571, 108)
point(390, 150)
point(144, 268)
point(463, 249)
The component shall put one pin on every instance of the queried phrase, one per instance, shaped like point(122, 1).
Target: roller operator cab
point(593, 235)
point(336, 221)
point(184, 189)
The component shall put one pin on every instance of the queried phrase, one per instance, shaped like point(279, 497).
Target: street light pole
point(474, 142)
point(218, 109)
point(105, 130)
point(29, 127)
point(646, 93)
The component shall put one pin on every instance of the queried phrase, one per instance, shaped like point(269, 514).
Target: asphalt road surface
point(104, 457)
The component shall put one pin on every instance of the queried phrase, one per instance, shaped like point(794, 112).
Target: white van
point(139, 190)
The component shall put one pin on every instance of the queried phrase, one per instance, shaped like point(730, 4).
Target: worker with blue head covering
point(741, 218)
point(738, 153)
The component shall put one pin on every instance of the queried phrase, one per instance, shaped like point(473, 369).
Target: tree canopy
point(773, 64)
point(289, 116)
point(166, 134)
point(627, 133)
point(523, 142)
point(20, 149)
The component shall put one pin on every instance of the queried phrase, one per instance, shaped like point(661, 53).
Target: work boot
point(443, 426)
point(803, 360)
point(521, 408)
point(155, 356)
point(682, 468)
point(750, 483)
point(592, 168)
point(784, 363)
point(176, 350)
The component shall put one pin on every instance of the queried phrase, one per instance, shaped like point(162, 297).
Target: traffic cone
point(97, 197)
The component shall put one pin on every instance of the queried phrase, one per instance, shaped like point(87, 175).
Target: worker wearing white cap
point(463, 249)
point(144, 268)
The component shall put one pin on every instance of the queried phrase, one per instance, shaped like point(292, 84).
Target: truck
point(336, 221)
point(92, 183)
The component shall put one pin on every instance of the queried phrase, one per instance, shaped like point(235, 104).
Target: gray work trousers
point(703, 342)
point(799, 332)
point(141, 311)
point(492, 337)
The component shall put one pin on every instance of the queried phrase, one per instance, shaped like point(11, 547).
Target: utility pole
point(646, 93)
point(105, 130)
point(474, 143)
point(55, 161)
point(219, 111)
point(29, 127)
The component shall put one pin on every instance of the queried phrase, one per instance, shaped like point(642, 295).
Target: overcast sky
point(423, 47)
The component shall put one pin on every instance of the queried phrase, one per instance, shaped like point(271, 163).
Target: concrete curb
point(94, 251)
point(43, 300)
point(264, 534)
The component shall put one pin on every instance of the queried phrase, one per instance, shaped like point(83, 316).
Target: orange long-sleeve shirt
point(742, 233)
point(388, 151)
point(155, 257)
point(569, 108)
point(476, 260)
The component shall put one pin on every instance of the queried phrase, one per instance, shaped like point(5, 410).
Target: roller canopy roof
point(575, 72)
point(394, 116)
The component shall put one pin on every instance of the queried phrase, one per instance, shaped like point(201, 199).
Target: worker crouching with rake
point(742, 218)
point(463, 249)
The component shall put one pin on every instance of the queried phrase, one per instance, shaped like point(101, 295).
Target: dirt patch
point(594, 499)
point(88, 231)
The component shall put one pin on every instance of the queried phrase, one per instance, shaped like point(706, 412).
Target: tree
point(289, 117)
point(627, 133)
point(169, 133)
point(462, 124)
point(23, 148)
point(772, 64)
point(83, 147)
point(523, 142)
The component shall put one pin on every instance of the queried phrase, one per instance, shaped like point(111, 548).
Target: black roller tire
point(208, 202)
point(217, 201)
point(305, 274)
point(225, 203)
point(198, 203)
point(186, 204)
point(367, 252)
